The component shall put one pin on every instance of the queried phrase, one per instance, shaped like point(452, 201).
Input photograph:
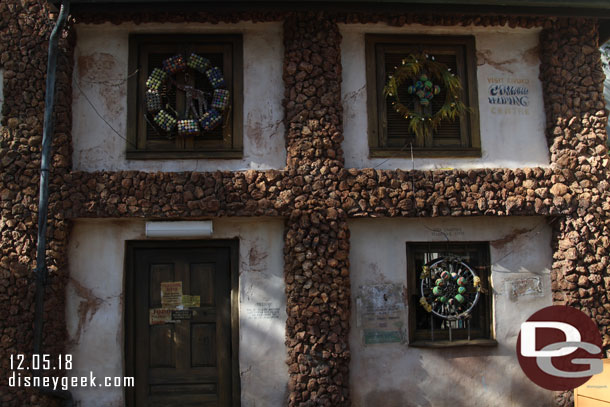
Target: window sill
point(453, 344)
point(424, 153)
point(182, 154)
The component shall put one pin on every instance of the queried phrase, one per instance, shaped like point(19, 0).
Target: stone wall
point(576, 120)
point(24, 30)
point(317, 238)
point(315, 192)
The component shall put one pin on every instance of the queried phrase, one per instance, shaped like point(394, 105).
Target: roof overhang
point(599, 9)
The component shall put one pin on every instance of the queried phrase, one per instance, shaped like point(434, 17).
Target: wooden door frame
point(129, 304)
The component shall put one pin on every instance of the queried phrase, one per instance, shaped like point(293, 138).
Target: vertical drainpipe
point(43, 202)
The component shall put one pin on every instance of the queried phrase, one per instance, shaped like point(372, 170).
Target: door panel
point(182, 362)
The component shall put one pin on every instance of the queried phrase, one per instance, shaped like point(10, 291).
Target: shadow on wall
point(469, 366)
point(409, 395)
point(390, 398)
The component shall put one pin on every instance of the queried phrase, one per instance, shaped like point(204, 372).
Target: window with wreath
point(449, 293)
point(185, 96)
point(422, 96)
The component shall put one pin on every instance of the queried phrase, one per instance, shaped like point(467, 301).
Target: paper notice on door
point(182, 314)
point(171, 294)
point(191, 301)
point(158, 316)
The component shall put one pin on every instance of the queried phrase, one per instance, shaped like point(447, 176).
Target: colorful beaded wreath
point(220, 100)
point(165, 120)
point(198, 63)
point(188, 127)
point(202, 110)
point(210, 120)
point(174, 64)
point(215, 77)
point(156, 79)
point(153, 101)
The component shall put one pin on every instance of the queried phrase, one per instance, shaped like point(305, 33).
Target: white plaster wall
point(396, 375)
point(96, 262)
point(101, 57)
point(509, 139)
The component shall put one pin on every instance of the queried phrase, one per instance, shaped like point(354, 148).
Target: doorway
point(181, 323)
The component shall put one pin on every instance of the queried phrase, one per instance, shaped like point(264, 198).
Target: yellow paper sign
point(191, 301)
point(171, 294)
point(158, 316)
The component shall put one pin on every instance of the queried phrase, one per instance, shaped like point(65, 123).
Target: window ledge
point(453, 344)
point(182, 154)
point(424, 153)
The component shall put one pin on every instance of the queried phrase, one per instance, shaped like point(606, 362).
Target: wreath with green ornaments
point(426, 79)
point(203, 110)
point(449, 288)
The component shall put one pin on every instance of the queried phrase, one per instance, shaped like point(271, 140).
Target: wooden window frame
point(129, 307)
point(376, 106)
point(231, 45)
point(420, 337)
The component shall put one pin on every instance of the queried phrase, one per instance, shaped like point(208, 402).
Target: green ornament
point(460, 298)
point(437, 291)
point(462, 290)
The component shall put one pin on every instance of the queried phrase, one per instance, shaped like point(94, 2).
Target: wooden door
point(182, 362)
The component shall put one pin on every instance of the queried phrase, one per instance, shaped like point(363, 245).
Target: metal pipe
point(43, 201)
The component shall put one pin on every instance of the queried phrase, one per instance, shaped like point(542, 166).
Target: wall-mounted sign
point(191, 301)
point(158, 316)
point(262, 310)
point(381, 313)
point(508, 95)
point(524, 286)
point(447, 232)
point(171, 294)
point(182, 314)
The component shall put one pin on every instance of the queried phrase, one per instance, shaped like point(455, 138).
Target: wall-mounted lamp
point(196, 228)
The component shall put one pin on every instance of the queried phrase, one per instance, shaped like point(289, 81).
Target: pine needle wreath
point(411, 69)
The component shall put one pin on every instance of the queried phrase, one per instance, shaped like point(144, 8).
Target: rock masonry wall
point(315, 192)
point(24, 30)
point(576, 118)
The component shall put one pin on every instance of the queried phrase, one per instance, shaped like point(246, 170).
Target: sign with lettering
point(171, 294)
point(191, 301)
point(381, 313)
point(508, 95)
point(182, 314)
point(447, 232)
point(158, 316)
point(262, 310)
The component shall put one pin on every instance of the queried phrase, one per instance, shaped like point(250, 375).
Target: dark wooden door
point(188, 362)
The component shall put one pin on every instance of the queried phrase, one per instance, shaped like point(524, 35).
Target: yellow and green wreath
point(421, 72)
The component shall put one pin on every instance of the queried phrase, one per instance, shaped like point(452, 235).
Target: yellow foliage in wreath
point(425, 304)
point(422, 72)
